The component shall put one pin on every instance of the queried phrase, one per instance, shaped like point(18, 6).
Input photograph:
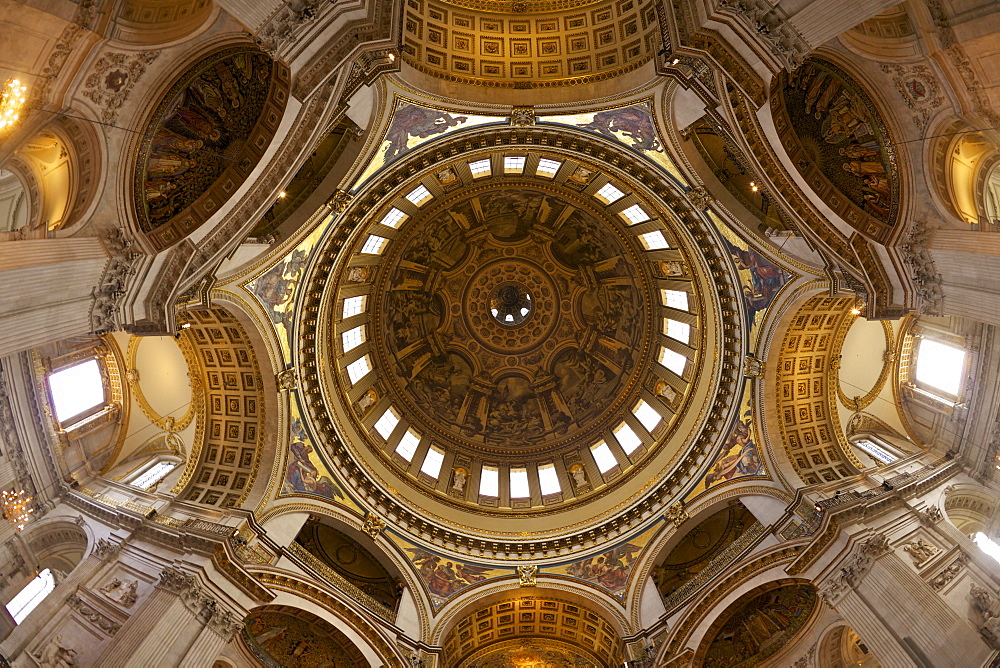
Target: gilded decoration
point(204, 139)
point(306, 473)
point(841, 144)
point(757, 626)
point(610, 570)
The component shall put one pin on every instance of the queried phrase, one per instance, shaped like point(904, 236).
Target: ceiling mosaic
point(757, 626)
point(287, 637)
point(538, 44)
point(836, 136)
point(204, 138)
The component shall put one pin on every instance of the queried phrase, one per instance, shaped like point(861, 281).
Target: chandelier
point(15, 507)
point(11, 100)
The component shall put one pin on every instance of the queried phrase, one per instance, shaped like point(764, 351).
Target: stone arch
point(154, 23)
point(841, 647)
point(272, 631)
point(889, 35)
point(16, 208)
point(972, 509)
point(58, 545)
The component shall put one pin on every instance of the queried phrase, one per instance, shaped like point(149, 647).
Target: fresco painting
point(844, 136)
point(633, 126)
point(740, 455)
point(305, 471)
point(413, 125)
point(609, 570)
point(758, 625)
point(444, 577)
point(762, 279)
point(300, 640)
point(277, 287)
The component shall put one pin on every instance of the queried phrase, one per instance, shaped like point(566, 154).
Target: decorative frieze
point(526, 575)
point(373, 525)
point(921, 551)
point(677, 514)
point(95, 617)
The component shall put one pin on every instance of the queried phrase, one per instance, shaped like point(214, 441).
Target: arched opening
point(15, 207)
point(281, 635)
point(972, 510)
point(842, 647)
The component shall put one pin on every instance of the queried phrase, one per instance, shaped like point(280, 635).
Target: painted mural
point(444, 577)
point(761, 278)
point(758, 625)
point(298, 639)
point(413, 125)
point(841, 133)
point(633, 126)
point(277, 287)
point(740, 455)
point(305, 471)
point(200, 132)
point(609, 570)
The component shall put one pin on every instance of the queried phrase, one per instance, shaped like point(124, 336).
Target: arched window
point(32, 594)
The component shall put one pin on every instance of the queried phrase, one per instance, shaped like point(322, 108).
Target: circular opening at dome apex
point(510, 304)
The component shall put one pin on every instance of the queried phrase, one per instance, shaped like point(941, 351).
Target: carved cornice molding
point(926, 279)
point(123, 260)
point(854, 568)
point(203, 605)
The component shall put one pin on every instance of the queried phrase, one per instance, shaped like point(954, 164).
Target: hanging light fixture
point(12, 98)
point(16, 507)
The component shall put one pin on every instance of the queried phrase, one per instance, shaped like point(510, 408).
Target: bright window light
point(354, 306)
point(76, 389)
point(647, 415)
point(480, 168)
point(419, 195)
point(387, 423)
point(32, 594)
point(608, 194)
point(548, 479)
point(634, 214)
point(673, 360)
point(408, 445)
point(982, 540)
point(547, 168)
point(489, 482)
point(603, 456)
point(519, 484)
point(677, 299)
point(940, 366)
point(353, 338)
point(877, 452)
point(627, 438)
point(513, 164)
point(432, 462)
point(395, 216)
point(358, 369)
point(374, 245)
point(654, 240)
point(153, 475)
point(679, 331)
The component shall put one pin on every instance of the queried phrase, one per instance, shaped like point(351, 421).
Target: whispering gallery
point(500, 334)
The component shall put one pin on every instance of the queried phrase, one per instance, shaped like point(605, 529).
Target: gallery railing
point(717, 565)
point(340, 582)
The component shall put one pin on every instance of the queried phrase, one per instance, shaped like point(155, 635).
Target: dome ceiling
point(529, 44)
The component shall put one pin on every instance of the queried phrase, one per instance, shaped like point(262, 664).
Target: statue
point(579, 475)
point(458, 480)
point(128, 595)
point(56, 655)
point(111, 587)
point(920, 551)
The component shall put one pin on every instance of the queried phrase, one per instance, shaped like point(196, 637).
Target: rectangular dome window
point(153, 475)
point(353, 306)
point(395, 216)
point(609, 194)
point(432, 462)
point(654, 240)
point(627, 438)
point(358, 369)
point(679, 331)
point(647, 416)
point(940, 366)
point(513, 164)
point(519, 484)
point(408, 445)
point(480, 168)
point(548, 479)
point(677, 299)
point(634, 214)
point(374, 245)
point(353, 338)
point(673, 361)
point(419, 195)
point(547, 168)
point(387, 423)
point(603, 457)
point(489, 481)
point(76, 389)
point(876, 452)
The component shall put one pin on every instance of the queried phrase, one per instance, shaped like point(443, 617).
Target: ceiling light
point(282, 195)
point(11, 100)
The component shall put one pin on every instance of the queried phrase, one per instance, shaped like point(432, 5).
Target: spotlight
point(282, 195)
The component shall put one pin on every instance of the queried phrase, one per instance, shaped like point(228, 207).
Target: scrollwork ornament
point(175, 580)
point(753, 367)
point(340, 201)
point(373, 525)
point(522, 116)
point(526, 575)
point(287, 380)
point(677, 514)
point(929, 516)
point(700, 197)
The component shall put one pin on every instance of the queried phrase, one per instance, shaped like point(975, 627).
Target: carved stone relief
point(114, 76)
